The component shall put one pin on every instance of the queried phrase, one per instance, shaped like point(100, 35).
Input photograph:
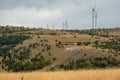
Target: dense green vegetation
point(20, 59)
point(113, 43)
point(97, 62)
point(7, 42)
point(12, 39)
point(22, 62)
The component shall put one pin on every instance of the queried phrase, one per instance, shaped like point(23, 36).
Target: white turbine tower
point(96, 16)
point(66, 24)
point(63, 25)
point(47, 26)
point(93, 18)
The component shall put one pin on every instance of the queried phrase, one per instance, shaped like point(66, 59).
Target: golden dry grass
point(108, 74)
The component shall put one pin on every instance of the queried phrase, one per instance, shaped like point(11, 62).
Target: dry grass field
point(106, 74)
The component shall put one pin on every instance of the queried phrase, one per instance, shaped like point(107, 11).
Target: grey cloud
point(78, 12)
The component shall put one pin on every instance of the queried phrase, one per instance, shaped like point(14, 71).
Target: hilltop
point(28, 49)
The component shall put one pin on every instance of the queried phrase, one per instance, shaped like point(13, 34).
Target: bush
point(53, 33)
point(12, 39)
point(97, 62)
point(79, 43)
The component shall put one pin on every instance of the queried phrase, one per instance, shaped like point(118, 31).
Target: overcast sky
point(39, 13)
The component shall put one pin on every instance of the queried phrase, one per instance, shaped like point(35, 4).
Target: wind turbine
point(47, 26)
point(66, 24)
point(96, 16)
point(53, 27)
point(63, 25)
point(93, 20)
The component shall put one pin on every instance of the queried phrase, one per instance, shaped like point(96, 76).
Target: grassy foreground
point(107, 74)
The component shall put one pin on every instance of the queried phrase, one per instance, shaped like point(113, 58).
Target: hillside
point(27, 49)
